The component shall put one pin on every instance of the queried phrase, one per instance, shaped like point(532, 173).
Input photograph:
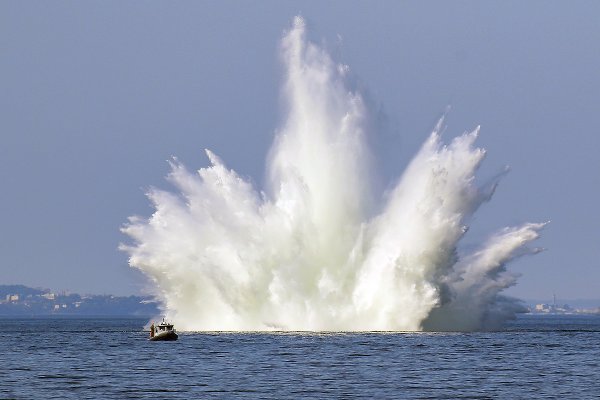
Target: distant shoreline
point(24, 301)
point(77, 316)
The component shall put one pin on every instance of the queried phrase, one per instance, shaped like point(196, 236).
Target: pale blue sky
point(95, 96)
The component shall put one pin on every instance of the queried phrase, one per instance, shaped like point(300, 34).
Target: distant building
point(553, 309)
point(542, 308)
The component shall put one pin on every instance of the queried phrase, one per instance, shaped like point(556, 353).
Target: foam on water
point(315, 251)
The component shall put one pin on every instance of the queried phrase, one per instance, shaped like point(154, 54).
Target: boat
point(162, 331)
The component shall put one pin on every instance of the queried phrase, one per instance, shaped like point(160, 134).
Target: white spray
point(310, 254)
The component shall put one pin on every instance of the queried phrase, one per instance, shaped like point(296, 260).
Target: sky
point(96, 96)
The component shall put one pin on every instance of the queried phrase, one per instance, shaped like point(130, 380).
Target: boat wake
point(316, 250)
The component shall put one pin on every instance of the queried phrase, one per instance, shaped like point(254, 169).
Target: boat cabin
point(163, 327)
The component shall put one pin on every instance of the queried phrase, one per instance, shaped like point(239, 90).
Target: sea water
point(533, 357)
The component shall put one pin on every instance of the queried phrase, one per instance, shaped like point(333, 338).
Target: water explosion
point(315, 252)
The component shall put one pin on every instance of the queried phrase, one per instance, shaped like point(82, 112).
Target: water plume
point(315, 251)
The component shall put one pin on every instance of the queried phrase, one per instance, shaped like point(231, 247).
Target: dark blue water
point(534, 357)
